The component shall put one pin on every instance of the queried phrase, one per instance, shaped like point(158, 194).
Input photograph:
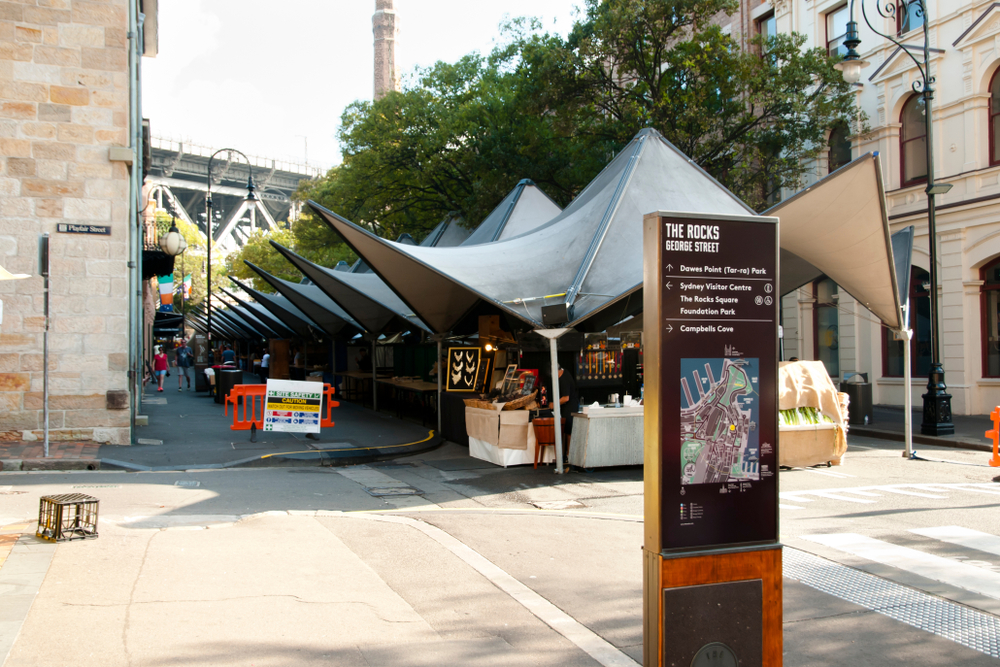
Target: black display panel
point(718, 382)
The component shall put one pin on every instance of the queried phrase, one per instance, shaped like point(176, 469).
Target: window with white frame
point(836, 30)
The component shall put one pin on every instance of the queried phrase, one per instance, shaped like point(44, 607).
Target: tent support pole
point(374, 379)
point(907, 396)
point(557, 425)
point(553, 336)
point(440, 370)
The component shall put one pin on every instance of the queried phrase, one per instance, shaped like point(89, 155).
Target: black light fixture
point(937, 400)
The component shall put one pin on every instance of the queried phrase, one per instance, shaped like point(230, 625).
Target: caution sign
point(293, 406)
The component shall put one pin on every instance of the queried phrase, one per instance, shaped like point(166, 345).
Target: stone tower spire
point(385, 25)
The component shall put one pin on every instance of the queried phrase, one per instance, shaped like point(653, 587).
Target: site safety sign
point(293, 406)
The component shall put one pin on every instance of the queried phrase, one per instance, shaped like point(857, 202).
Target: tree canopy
point(556, 110)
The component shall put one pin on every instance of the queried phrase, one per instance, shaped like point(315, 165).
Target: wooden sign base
point(716, 608)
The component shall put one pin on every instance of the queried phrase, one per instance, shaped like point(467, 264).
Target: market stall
point(607, 437)
point(812, 417)
point(503, 437)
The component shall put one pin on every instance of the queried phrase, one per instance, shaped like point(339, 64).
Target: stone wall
point(64, 102)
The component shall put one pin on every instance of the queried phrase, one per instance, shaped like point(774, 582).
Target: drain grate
point(383, 492)
point(962, 625)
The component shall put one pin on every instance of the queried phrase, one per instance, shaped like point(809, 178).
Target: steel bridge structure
point(178, 176)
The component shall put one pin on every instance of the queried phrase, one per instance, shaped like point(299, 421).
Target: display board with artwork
point(463, 368)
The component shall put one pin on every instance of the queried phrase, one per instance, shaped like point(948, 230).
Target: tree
point(454, 144)
point(556, 110)
point(753, 118)
point(259, 252)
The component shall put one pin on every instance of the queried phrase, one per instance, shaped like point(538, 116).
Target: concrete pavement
point(440, 559)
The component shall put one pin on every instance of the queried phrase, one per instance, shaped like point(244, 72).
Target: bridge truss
point(178, 176)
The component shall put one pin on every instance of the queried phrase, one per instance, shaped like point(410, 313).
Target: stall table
point(607, 437)
point(356, 384)
point(502, 437)
point(420, 393)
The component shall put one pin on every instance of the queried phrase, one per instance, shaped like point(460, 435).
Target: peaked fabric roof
point(363, 296)
point(587, 256)
point(218, 329)
point(313, 302)
point(263, 314)
point(525, 208)
point(237, 326)
point(244, 314)
point(284, 310)
point(447, 234)
point(841, 228)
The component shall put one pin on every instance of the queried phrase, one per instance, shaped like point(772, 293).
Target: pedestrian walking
point(265, 361)
point(160, 366)
point(184, 361)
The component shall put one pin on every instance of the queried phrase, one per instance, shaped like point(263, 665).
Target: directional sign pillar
point(712, 561)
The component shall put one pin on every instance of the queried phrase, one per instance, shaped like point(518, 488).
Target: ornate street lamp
point(251, 197)
point(937, 400)
point(173, 242)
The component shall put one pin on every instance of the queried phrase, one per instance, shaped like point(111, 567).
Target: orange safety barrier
point(253, 405)
point(254, 397)
point(995, 434)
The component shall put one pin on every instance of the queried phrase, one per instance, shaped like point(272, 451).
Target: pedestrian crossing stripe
point(963, 537)
point(863, 494)
point(938, 568)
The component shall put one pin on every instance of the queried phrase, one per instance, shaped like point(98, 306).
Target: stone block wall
point(64, 101)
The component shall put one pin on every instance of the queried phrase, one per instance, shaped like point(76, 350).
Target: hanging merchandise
point(600, 360)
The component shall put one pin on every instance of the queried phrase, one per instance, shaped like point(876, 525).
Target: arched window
point(920, 323)
point(995, 118)
point(990, 309)
point(840, 146)
point(913, 141)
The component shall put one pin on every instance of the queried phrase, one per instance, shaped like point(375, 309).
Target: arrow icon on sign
point(668, 285)
point(669, 328)
point(670, 267)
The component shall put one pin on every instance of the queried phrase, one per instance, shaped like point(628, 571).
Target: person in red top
point(160, 366)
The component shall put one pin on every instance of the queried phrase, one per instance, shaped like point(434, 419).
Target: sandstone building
point(70, 125)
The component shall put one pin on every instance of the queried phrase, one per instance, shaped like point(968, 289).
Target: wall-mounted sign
point(463, 368)
point(70, 228)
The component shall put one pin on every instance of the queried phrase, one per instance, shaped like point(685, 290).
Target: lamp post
point(937, 400)
point(251, 198)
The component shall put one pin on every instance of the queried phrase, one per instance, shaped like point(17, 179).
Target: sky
point(272, 78)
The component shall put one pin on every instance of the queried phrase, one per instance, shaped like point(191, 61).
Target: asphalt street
point(442, 559)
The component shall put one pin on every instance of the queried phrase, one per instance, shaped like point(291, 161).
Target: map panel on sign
point(719, 416)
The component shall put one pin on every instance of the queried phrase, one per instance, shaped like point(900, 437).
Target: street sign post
point(292, 406)
point(712, 572)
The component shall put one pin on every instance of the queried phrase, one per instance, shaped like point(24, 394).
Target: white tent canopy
point(839, 226)
point(586, 257)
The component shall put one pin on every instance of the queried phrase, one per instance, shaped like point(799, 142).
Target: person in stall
point(569, 402)
point(364, 360)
